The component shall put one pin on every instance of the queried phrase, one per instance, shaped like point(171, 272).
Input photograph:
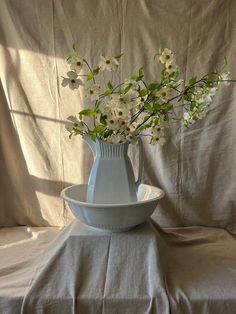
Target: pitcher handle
point(140, 168)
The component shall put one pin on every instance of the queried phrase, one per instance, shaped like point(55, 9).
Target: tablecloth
point(145, 270)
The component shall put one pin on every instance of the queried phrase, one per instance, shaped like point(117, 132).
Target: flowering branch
point(126, 111)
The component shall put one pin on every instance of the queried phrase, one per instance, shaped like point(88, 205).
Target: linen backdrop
point(196, 168)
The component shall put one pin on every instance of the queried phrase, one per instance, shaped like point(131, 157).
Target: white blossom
point(115, 138)
point(76, 64)
point(132, 138)
point(108, 63)
point(188, 120)
point(114, 123)
point(93, 92)
point(133, 83)
point(157, 131)
point(213, 91)
point(158, 140)
point(72, 81)
point(171, 67)
point(73, 122)
point(166, 56)
point(141, 100)
point(164, 94)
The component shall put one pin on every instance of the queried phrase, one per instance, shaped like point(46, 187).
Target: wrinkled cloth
point(197, 166)
point(145, 270)
point(149, 269)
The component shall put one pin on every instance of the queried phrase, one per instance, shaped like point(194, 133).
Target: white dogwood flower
point(114, 123)
point(141, 100)
point(166, 56)
point(158, 140)
point(164, 93)
point(157, 131)
point(133, 83)
point(72, 81)
point(73, 122)
point(93, 92)
point(188, 120)
point(171, 67)
point(108, 63)
point(116, 138)
point(121, 113)
point(123, 100)
point(76, 64)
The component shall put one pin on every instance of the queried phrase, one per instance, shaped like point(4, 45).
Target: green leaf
point(109, 84)
point(135, 77)
point(141, 71)
point(143, 93)
point(96, 71)
point(99, 129)
point(153, 86)
point(148, 106)
point(103, 120)
point(87, 113)
point(93, 137)
point(71, 56)
point(78, 131)
point(193, 80)
point(127, 88)
point(90, 76)
point(107, 92)
point(107, 133)
point(97, 104)
point(156, 106)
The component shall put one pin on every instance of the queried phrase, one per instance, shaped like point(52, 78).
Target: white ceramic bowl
point(112, 217)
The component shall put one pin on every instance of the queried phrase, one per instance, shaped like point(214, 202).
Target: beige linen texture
point(149, 269)
point(197, 166)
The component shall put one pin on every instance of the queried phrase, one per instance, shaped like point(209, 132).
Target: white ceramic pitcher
point(112, 179)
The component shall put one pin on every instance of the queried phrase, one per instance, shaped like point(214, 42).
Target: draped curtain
point(196, 167)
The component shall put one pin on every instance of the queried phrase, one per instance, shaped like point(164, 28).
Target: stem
point(153, 113)
point(86, 126)
point(90, 69)
point(144, 84)
point(117, 87)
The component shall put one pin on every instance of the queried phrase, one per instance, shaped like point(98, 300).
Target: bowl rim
point(65, 197)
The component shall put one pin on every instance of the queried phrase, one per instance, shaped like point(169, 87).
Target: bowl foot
point(111, 230)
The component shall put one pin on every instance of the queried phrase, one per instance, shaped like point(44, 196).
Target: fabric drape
point(196, 167)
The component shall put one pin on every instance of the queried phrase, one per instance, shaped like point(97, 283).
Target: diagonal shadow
point(15, 176)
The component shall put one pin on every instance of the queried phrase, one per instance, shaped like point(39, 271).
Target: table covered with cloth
point(145, 270)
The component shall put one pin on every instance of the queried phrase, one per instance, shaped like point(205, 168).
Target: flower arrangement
point(135, 107)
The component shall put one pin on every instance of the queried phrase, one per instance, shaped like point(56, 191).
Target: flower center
point(111, 121)
point(169, 66)
point(167, 56)
point(108, 61)
point(72, 81)
point(78, 63)
point(120, 113)
point(91, 91)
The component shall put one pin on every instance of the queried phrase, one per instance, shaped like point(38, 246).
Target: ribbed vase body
point(111, 179)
